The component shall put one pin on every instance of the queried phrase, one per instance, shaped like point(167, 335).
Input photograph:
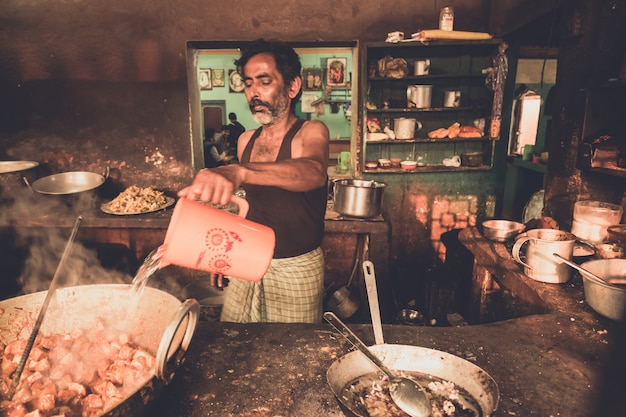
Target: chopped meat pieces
point(73, 375)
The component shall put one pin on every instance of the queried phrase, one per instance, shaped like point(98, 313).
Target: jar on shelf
point(446, 19)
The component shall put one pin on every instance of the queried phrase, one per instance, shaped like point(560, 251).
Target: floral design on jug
point(220, 263)
point(217, 240)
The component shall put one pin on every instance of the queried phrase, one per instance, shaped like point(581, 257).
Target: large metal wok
point(69, 182)
point(464, 374)
point(355, 365)
point(157, 320)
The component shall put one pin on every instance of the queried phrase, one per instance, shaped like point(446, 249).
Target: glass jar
point(446, 19)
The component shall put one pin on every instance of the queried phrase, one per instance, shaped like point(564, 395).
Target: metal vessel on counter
point(69, 182)
point(358, 198)
point(12, 174)
point(472, 159)
point(354, 365)
point(161, 323)
point(607, 299)
point(502, 230)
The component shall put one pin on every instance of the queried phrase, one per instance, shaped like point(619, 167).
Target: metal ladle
point(44, 308)
point(589, 274)
point(408, 395)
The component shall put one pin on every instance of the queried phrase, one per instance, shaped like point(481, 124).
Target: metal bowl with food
point(359, 387)
point(502, 230)
point(87, 327)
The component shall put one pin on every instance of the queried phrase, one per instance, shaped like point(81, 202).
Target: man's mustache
point(256, 102)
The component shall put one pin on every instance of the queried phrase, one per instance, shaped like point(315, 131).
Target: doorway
point(213, 115)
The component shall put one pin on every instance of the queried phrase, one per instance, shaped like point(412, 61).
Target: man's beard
point(271, 112)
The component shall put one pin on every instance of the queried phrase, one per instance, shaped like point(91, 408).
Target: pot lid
point(16, 166)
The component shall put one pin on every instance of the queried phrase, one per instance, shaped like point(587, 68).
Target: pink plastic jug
point(205, 238)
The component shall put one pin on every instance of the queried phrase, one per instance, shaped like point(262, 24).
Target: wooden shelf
point(613, 172)
point(427, 169)
point(430, 77)
point(421, 110)
point(425, 140)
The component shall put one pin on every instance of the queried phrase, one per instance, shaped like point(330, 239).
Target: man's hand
point(217, 281)
point(215, 186)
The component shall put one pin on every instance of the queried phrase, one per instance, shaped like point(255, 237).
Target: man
point(213, 154)
point(236, 129)
point(283, 170)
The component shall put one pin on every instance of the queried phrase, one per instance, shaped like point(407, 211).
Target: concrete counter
point(552, 362)
point(540, 363)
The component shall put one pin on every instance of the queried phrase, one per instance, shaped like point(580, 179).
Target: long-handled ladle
point(44, 307)
point(407, 394)
point(589, 274)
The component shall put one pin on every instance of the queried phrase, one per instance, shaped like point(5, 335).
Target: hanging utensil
point(345, 301)
point(407, 394)
point(44, 307)
point(372, 297)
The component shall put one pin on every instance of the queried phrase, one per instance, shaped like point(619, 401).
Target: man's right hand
point(215, 186)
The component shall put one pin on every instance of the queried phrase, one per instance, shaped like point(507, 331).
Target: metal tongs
point(53, 285)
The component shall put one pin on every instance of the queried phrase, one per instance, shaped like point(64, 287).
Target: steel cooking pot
point(358, 198)
point(69, 182)
point(158, 321)
point(606, 299)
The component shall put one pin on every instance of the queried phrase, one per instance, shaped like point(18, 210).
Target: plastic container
point(592, 219)
point(205, 238)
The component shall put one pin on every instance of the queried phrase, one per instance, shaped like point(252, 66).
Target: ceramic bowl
point(408, 165)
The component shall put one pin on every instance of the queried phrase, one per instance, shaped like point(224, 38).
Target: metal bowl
point(607, 300)
point(502, 230)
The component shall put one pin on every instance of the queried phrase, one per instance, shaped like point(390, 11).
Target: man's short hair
point(287, 60)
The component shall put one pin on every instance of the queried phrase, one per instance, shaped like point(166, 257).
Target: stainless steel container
point(606, 299)
point(358, 198)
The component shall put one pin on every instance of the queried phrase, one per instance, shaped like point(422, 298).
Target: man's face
point(266, 92)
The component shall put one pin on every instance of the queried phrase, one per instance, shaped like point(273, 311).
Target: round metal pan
point(16, 166)
point(68, 183)
point(478, 383)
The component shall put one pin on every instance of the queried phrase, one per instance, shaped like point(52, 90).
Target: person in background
point(214, 156)
point(283, 170)
point(236, 129)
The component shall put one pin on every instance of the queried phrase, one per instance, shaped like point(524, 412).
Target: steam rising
point(44, 243)
point(38, 239)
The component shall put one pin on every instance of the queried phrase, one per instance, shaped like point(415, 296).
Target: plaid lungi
point(291, 291)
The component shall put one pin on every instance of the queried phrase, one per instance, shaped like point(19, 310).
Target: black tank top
point(297, 218)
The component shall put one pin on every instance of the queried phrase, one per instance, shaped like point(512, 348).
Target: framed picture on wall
point(218, 78)
point(204, 79)
point(336, 72)
point(312, 79)
point(235, 81)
